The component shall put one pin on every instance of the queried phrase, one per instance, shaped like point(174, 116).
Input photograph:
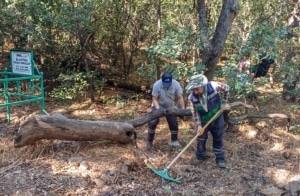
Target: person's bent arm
point(155, 102)
point(181, 101)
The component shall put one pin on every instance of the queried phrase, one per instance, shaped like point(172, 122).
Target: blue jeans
point(173, 126)
point(217, 130)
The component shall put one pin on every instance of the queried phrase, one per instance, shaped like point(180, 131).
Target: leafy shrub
point(241, 84)
point(173, 53)
point(72, 86)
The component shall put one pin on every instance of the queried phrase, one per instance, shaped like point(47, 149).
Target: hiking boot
point(175, 143)
point(149, 145)
point(221, 164)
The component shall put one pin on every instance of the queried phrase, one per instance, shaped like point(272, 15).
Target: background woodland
point(81, 46)
point(100, 58)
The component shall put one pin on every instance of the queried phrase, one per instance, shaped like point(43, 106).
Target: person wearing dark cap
point(164, 93)
point(205, 102)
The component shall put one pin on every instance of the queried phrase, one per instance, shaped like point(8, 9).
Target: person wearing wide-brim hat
point(206, 102)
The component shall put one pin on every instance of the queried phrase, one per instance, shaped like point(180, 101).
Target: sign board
point(22, 62)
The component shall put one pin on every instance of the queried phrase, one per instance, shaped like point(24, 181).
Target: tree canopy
point(90, 40)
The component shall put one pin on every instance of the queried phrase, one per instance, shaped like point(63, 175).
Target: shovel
point(164, 173)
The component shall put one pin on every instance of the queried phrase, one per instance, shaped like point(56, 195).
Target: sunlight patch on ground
point(277, 147)
point(280, 176)
point(3, 115)
point(251, 134)
point(83, 112)
point(75, 106)
point(297, 150)
point(60, 110)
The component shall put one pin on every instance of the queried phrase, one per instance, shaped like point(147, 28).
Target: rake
point(164, 173)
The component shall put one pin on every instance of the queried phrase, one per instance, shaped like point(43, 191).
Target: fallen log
point(177, 112)
point(57, 126)
point(276, 115)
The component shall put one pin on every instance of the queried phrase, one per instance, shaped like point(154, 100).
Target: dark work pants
point(217, 130)
point(173, 126)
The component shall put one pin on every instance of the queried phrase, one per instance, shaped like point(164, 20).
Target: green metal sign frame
point(21, 82)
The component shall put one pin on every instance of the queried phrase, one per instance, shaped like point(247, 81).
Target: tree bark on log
point(177, 112)
point(57, 126)
point(239, 118)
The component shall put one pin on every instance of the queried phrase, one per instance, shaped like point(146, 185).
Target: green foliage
point(241, 84)
point(147, 70)
point(291, 68)
point(172, 53)
point(107, 100)
point(295, 129)
point(72, 85)
point(62, 33)
point(187, 131)
point(167, 189)
point(263, 40)
point(292, 109)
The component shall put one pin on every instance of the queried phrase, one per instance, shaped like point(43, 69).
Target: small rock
point(271, 191)
point(99, 182)
point(76, 160)
point(17, 172)
point(84, 174)
point(294, 185)
point(127, 162)
point(107, 194)
point(124, 169)
point(83, 165)
point(81, 183)
point(286, 154)
point(112, 172)
point(51, 193)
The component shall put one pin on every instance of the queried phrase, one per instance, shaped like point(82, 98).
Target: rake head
point(163, 174)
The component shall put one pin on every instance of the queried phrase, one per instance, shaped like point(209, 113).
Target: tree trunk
point(213, 48)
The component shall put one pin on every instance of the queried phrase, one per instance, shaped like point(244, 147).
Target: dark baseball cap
point(167, 79)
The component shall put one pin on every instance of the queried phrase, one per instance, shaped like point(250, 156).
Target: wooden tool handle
point(200, 132)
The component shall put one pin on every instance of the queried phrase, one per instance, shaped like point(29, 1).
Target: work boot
point(175, 143)
point(149, 145)
point(221, 164)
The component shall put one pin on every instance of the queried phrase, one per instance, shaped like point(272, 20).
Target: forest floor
point(263, 158)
